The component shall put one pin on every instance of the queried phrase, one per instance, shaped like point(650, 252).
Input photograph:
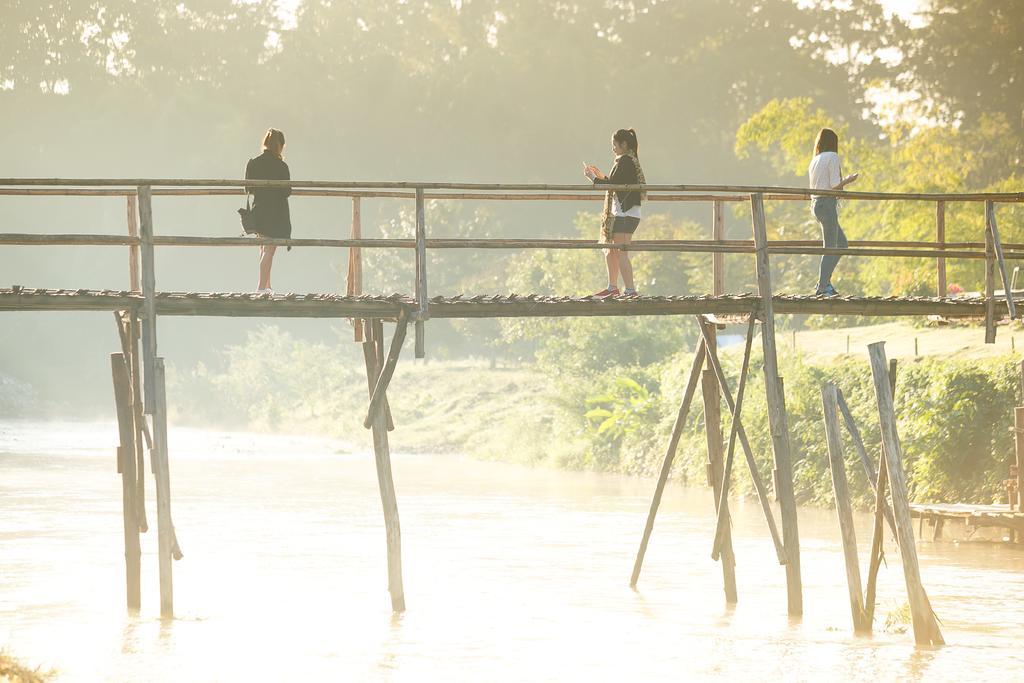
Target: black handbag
point(248, 217)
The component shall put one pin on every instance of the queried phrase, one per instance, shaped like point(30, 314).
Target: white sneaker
point(267, 290)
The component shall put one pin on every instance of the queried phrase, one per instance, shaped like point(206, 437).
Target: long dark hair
point(627, 137)
point(273, 142)
point(827, 141)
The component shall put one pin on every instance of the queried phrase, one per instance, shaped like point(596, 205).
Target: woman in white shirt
point(825, 173)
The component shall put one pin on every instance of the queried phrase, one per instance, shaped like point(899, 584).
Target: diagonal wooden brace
point(858, 445)
point(127, 330)
point(388, 369)
point(762, 493)
point(877, 549)
point(723, 507)
point(670, 454)
point(373, 355)
point(844, 510)
point(997, 245)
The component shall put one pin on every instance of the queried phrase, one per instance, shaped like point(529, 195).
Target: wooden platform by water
point(970, 514)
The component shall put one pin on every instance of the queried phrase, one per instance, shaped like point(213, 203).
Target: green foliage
point(616, 419)
point(954, 416)
point(18, 398)
point(954, 421)
point(620, 411)
point(936, 159)
point(958, 428)
point(271, 381)
point(784, 131)
point(584, 346)
point(968, 57)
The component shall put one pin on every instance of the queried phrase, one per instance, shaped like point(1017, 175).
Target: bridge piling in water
point(777, 420)
point(748, 452)
point(167, 542)
point(926, 626)
point(373, 355)
point(713, 432)
point(844, 510)
point(126, 463)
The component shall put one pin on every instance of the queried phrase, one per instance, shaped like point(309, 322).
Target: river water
point(510, 574)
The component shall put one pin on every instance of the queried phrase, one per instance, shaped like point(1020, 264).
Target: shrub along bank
point(954, 419)
point(955, 416)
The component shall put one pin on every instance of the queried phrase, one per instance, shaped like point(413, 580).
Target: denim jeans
point(832, 236)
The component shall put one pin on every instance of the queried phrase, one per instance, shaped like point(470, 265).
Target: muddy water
point(510, 574)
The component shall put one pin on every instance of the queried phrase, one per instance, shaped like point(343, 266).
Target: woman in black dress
point(270, 204)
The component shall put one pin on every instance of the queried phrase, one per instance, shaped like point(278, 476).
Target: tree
point(968, 58)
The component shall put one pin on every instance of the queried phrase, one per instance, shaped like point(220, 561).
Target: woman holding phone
point(825, 173)
point(621, 215)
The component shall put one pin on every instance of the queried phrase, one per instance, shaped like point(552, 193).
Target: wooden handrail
point(504, 187)
point(963, 250)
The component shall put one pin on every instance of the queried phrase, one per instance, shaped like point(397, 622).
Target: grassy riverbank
point(955, 413)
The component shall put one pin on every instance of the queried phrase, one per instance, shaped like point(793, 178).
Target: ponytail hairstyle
point(827, 141)
point(273, 142)
point(627, 137)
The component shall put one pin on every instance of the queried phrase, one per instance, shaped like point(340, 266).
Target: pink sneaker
point(605, 293)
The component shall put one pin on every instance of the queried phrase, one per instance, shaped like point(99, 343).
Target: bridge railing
point(140, 240)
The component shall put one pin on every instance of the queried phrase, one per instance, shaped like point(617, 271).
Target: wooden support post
point(881, 509)
point(377, 335)
point(940, 237)
point(145, 194)
point(844, 511)
point(926, 627)
point(990, 286)
point(1020, 383)
point(670, 454)
point(777, 421)
point(718, 258)
point(387, 369)
point(762, 493)
point(713, 431)
point(126, 467)
point(1018, 434)
point(166, 541)
point(127, 329)
point(133, 251)
point(722, 505)
point(422, 300)
point(892, 380)
point(141, 427)
point(997, 247)
point(354, 280)
point(877, 548)
point(389, 501)
point(862, 452)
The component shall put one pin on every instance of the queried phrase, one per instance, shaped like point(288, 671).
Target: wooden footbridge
point(138, 369)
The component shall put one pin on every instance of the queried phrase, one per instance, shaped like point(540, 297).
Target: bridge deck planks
point(484, 306)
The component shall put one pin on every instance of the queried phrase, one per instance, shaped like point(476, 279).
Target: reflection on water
point(510, 574)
